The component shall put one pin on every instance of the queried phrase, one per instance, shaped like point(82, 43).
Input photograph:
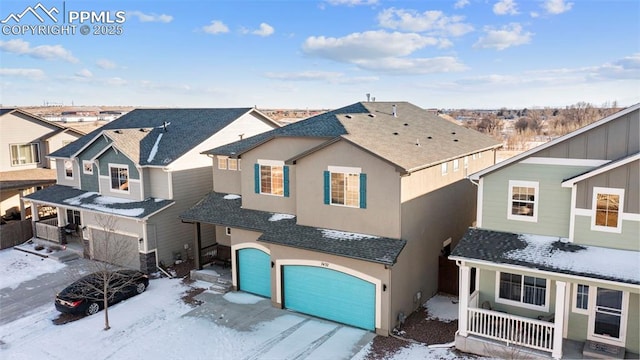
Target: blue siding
point(330, 294)
point(254, 272)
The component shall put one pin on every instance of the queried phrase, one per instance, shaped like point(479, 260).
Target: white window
point(222, 163)
point(607, 209)
point(119, 177)
point(466, 162)
point(87, 167)
point(580, 298)
point(523, 200)
point(522, 290)
point(456, 165)
point(345, 188)
point(232, 164)
point(444, 168)
point(68, 169)
point(473, 157)
point(272, 178)
point(25, 154)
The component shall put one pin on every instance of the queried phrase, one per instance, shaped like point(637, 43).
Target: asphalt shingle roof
point(70, 197)
point(186, 129)
point(216, 209)
point(549, 254)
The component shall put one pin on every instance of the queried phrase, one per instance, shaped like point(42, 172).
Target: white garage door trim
point(234, 265)
point(377, 282)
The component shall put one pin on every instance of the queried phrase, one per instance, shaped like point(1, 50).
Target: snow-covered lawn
point(153, 325)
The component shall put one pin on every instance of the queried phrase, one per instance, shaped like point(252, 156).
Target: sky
point(320, 54)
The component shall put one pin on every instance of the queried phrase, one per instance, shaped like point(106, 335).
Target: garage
point(330, 294)
point(115, 248)
point(254, 272)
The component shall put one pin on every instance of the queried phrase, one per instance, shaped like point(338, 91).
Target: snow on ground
point(18, 266)
point(241, 298)
point(443, 308)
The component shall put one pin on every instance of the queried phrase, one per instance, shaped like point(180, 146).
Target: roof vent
point(372, 115)
point(164, 126)
point(456, 140)
point(348, 116)
point(394, 110)
point(368, 97)
point(429, 137)
point(143, 130)
point(395, 133)
point(453, 133)
point(405, 124)
point(417, 142)
point(118, 131)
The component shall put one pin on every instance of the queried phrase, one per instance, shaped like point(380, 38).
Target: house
point(124, 185)
point(343, 215)
point(26, 141)
point(553, 264)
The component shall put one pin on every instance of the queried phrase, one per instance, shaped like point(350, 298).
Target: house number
point(324, 264)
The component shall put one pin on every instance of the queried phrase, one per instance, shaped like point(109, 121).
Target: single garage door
point(330, 294)
point(115, 249)
point(254, 272)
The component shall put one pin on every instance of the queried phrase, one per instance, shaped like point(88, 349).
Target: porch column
point(196, 252)
point(34, 218)
point(23, 212)
point(558, 324)
point(463, 298)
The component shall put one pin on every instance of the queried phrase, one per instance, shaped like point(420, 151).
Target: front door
point(608, 316)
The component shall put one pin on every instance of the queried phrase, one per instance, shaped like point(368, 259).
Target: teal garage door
point(254, 272)
point(330, 294)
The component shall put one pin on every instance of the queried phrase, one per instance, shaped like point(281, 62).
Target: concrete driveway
point(285, 334)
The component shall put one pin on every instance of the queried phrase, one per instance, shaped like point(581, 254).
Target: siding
point(135, 186)
point(624, 177)
point(627, 240)
point(157, 183)
point(228, 181)
point(20, 129)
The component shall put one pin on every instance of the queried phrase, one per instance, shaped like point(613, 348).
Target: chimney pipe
point(393, 110)
point(368, 97)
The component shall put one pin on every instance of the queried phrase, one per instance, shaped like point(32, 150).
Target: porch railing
point(512, 329)
point(48, 230)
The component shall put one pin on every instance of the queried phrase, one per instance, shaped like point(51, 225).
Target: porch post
point(34, 219)
point(558, 325)
point(198, 247)
point(463, 299)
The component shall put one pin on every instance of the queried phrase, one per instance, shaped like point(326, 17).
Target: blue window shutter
point(363, 191)
point(256, 177)
point(285, 174)
point(327, 189)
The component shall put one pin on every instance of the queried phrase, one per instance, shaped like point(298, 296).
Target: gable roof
point(57, 128)
point(600, 169)
point(523, 155)
point(184, 130)
point(223, 210)
point(411, 139)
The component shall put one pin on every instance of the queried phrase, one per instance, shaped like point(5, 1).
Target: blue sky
point(325, 54)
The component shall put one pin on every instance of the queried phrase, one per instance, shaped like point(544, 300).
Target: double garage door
point(317, 291)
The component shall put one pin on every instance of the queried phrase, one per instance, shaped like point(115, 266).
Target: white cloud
point(33, 74)
point(432, 21)
point(216, 27)
point(106, 64)
point(500, 39)
point(505, 7)
point(534, 14)
point(116, 81)
point(405, 66)
point(46, 52)
point(84, 73)
point(352, 2)
point(556, 7)
point(162, 18)
point(304, 75)
point(460, 4)
point(265, 30)
point(366, 45)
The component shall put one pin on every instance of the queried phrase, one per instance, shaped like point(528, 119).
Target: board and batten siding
point(553, 203)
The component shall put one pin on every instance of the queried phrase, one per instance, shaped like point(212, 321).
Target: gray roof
point(5, 111)
point(218, 210)
point(550, 254)
point(411, 140)
point(73, 198)
point(186, 129)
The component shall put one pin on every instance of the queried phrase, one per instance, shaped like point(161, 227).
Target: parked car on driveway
point(85, 296)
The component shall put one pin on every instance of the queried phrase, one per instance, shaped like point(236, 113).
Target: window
point(73, 217)
point(25, 154)
point(232, 164)
point(466, 162)
point(222, 163)
point(522, 290)
point(68, 169)
point(119, 177)
point(271, 176)
point(607, 207)
point(523, 200)
point(581, 298)
point(473, 156)
point(444, 168)
point(345, 186)
point(227, 230)
point(456, 165)
point(87, 167)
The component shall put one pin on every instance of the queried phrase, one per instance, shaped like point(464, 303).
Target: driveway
point(289, 335)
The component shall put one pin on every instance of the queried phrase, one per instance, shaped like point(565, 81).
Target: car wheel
point(93, 308)
point(140, 288)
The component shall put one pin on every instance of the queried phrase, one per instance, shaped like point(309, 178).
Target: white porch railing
point(512, 329)
point(48, 230)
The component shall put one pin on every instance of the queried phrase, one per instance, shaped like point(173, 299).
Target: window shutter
point(285, 174)
point(363, 191)
point(327, 189)
point(256, 178)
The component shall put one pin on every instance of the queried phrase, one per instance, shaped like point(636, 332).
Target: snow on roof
point(124, 212)
point(278, 217)
point(108, 200)
point(101, 202)
point(613, 263)
point(78, 199)
point(343, 235)
point(154, 150)
point(231, 197)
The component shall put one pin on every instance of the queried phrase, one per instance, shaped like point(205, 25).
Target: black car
point(85, 296)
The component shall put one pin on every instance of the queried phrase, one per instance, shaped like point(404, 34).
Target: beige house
point(553, 267)
point(122, 186)
point(343, 215)
point(26, 140)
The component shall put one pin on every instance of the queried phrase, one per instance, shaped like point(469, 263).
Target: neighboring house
point(554, 262)
point(344, 215)
point(144, 169)
point(25, 141)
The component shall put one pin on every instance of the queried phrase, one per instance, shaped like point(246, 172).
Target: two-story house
point(345, 214)
point(554, 262)
point(124, 185)
point(26, 139)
